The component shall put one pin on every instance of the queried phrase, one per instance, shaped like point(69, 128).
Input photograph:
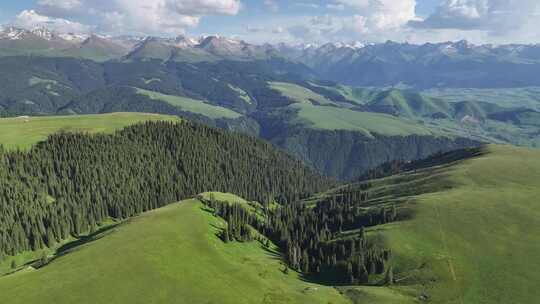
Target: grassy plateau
point(23, 132)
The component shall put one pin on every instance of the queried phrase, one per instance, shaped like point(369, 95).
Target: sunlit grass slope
point(333, 118)
point(192, 105)
point(170, 255)
point(478, 241)
point(23, 132)
point(299, 94)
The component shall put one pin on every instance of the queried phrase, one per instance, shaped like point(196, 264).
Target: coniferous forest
point(311, 236)
point(71, 183)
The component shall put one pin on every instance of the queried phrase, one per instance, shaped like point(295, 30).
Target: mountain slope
point(96, 48)
point(170, 255)
point(440, 65)
point(473, 237)
point(139, 168)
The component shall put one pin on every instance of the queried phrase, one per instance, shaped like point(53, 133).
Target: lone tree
point(389, 278)
point(225, 235)
point(43, 260)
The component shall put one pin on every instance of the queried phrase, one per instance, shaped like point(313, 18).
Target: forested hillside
point(271, 99)
point(71, 183)
point(339, 130)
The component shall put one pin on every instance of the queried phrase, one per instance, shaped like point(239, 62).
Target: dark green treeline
point(71, 183)
point(325, 241)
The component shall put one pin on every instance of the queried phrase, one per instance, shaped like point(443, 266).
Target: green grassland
point(299, 94)
point(192, 105)
point(332, 118)
point(475, 234)
point(410, 105)
point(23, 132)
point(170, 255)
point(509, 97)
point(242, 94)
point(357, 95)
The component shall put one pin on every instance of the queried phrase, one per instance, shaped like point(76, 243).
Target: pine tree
point(225, 235)
point(43, 260)
point(389, 278)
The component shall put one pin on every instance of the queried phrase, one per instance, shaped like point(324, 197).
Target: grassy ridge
point(192, 105)
point(332, 118)
point(171, 255)
point(23, 132)
point(299, 94)
point(476, 242)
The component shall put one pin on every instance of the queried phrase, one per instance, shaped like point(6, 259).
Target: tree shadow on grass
point(83, 240)
point(69, 247)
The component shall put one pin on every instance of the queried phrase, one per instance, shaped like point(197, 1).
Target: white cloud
point(61, 4)
point(492, 21)
point(138, 16)
point(337, 7)
point(31, 19)
point(384, 14)
point(204, 7)
point(369, 20)
point(496, 16)
point(307, 5)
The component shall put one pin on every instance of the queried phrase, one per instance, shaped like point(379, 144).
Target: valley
point(469, 214)
point(143, 160)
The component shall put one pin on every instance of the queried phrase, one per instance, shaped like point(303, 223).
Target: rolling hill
point(25, 131)
point(472, 239)
point(170, 255)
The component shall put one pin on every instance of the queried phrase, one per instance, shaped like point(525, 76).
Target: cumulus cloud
point(138, 16)
point(369, 20)
point(496, 16)
point(31, 19)
point(384, 14)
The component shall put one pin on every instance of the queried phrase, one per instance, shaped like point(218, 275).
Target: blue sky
point(319, 21)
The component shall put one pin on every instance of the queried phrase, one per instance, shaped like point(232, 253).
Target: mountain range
point(431, 65)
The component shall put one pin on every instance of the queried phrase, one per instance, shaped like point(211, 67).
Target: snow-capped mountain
point(14, 33)
point(73, 37)
point(353, 62)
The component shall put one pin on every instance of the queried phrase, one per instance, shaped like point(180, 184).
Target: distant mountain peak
point(182, 41)
point(44, 33)
point(13, 33)
point(74, 37)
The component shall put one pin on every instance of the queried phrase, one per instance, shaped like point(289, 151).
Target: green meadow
point(332, 118)
point(170, 255)
point(299, 94)
point(23, 132)
point(475, 235)
point(192, 105)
